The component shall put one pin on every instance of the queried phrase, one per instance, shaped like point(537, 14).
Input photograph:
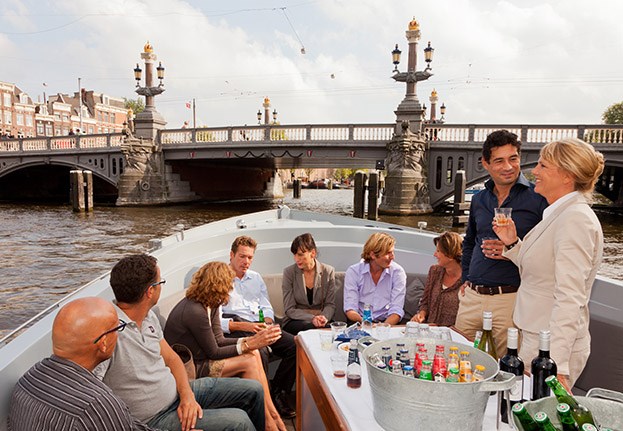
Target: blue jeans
point(228, 404)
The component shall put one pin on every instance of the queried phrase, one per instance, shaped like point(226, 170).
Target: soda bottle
point(479, 373)
point(404, 356)
point(353, 370)
point(453, 349)
point(465, 367)
point(396, 366)
point(422, 357)
point(486, 343)
point(426, 373)
point(566, 420)
point(513, 364)
point(453, 375)
point(526, 421)
point(366, 324)
point(542, 367)
point(453, 362)
point(387, 357)
point(581, 414)
point(439, 362)
point(260, 314)
point(407, 370)
point(543, 421)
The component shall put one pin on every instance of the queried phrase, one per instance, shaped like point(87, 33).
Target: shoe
point(280, 399)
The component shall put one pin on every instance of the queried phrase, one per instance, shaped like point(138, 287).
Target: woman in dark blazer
point(308, 288)
point(195, 322)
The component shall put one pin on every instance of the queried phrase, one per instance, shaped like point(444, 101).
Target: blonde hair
point(211, 284)
point(379, 244)
point(450, 244)
point(577, 158)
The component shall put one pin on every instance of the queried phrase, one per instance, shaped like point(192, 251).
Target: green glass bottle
point(526, 421)
point(486, 341)
point(260, 314)
point(581, 414)
point(566, 420)
point(543, 421)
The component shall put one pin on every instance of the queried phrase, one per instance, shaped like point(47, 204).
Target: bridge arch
point(32, 163)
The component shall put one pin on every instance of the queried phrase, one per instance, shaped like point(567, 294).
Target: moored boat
point(339, 241)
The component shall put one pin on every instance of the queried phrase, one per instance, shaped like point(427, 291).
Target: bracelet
point(246, 344)
point(510, 246)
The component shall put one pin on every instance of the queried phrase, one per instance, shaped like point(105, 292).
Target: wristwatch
point(510, 246)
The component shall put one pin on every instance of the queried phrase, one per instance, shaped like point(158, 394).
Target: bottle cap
point(541, 417)
point(512, 338)
point(487, 315)
point(480, 367)
point(563, 407)
point(518, 407)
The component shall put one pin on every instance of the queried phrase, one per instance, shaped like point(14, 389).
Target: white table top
point(356, 404)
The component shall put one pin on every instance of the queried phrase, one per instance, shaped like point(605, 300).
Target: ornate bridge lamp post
point(148, 122)
point(143, 181)
point(406, 182)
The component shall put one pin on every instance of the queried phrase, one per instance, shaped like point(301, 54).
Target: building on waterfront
point(61, 114)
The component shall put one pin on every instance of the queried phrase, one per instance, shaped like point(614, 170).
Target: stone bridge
point(452, 147)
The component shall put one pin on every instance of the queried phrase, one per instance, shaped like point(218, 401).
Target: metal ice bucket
point(404, 403)
point(606, 406)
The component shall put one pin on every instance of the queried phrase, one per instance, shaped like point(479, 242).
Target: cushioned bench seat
point(415, 288)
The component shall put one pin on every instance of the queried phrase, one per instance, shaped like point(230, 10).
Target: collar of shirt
point(550, 209)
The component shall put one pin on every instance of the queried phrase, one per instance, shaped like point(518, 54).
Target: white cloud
point(495, 61)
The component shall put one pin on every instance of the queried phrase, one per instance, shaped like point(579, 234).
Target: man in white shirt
point(241, 319)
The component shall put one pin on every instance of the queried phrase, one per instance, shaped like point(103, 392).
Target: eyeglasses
point(158, 283)
point(119, 328)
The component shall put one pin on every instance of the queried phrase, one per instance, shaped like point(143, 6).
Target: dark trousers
point(283, 348)
point(296, 326)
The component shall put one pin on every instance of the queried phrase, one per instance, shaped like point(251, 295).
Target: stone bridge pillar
point(142, 181)
point(406, 182)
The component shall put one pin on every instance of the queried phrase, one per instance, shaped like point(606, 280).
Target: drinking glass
point(338, 364)
point(337, 328)
point(503, 215)
point(382, 330)
point(326, 340)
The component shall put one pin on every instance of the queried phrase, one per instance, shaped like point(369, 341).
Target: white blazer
point(558, 261)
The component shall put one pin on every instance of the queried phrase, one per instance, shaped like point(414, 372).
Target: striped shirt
point(57, 394)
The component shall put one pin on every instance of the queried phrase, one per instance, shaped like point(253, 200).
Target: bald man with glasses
point(61, 392)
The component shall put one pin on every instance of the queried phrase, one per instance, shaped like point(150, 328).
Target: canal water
point(47, 251)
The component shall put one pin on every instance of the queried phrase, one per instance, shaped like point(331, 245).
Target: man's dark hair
point(304, 243)
point(131, 276)
point(499, 138)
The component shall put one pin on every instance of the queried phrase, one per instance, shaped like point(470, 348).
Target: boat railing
point(17, 331)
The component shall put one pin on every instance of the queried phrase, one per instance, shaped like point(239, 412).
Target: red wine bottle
point(512, 363)
point(542, 367)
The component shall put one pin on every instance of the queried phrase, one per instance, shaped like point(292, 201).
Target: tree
point(135, 105)
point(614, 114)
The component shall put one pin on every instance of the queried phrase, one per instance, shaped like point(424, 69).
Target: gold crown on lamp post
point(413, 25)
point(148, 47)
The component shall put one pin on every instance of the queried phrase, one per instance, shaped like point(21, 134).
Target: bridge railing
point(275, 133)
point(537, 134)
point(69, 142)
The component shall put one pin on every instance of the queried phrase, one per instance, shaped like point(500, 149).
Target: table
point(325, 402)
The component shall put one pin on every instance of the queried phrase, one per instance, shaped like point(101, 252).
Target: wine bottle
point(581, 414)
point(512, 363)
point(486, 342)
point(542, 367)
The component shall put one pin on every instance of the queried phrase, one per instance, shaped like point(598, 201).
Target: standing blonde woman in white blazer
point(559, 258)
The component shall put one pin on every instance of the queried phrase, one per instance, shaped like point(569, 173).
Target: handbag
point(187, 358)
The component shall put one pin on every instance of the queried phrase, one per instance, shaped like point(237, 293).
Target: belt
point(494, 290)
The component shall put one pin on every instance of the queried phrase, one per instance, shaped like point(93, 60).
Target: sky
point(495, 62)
